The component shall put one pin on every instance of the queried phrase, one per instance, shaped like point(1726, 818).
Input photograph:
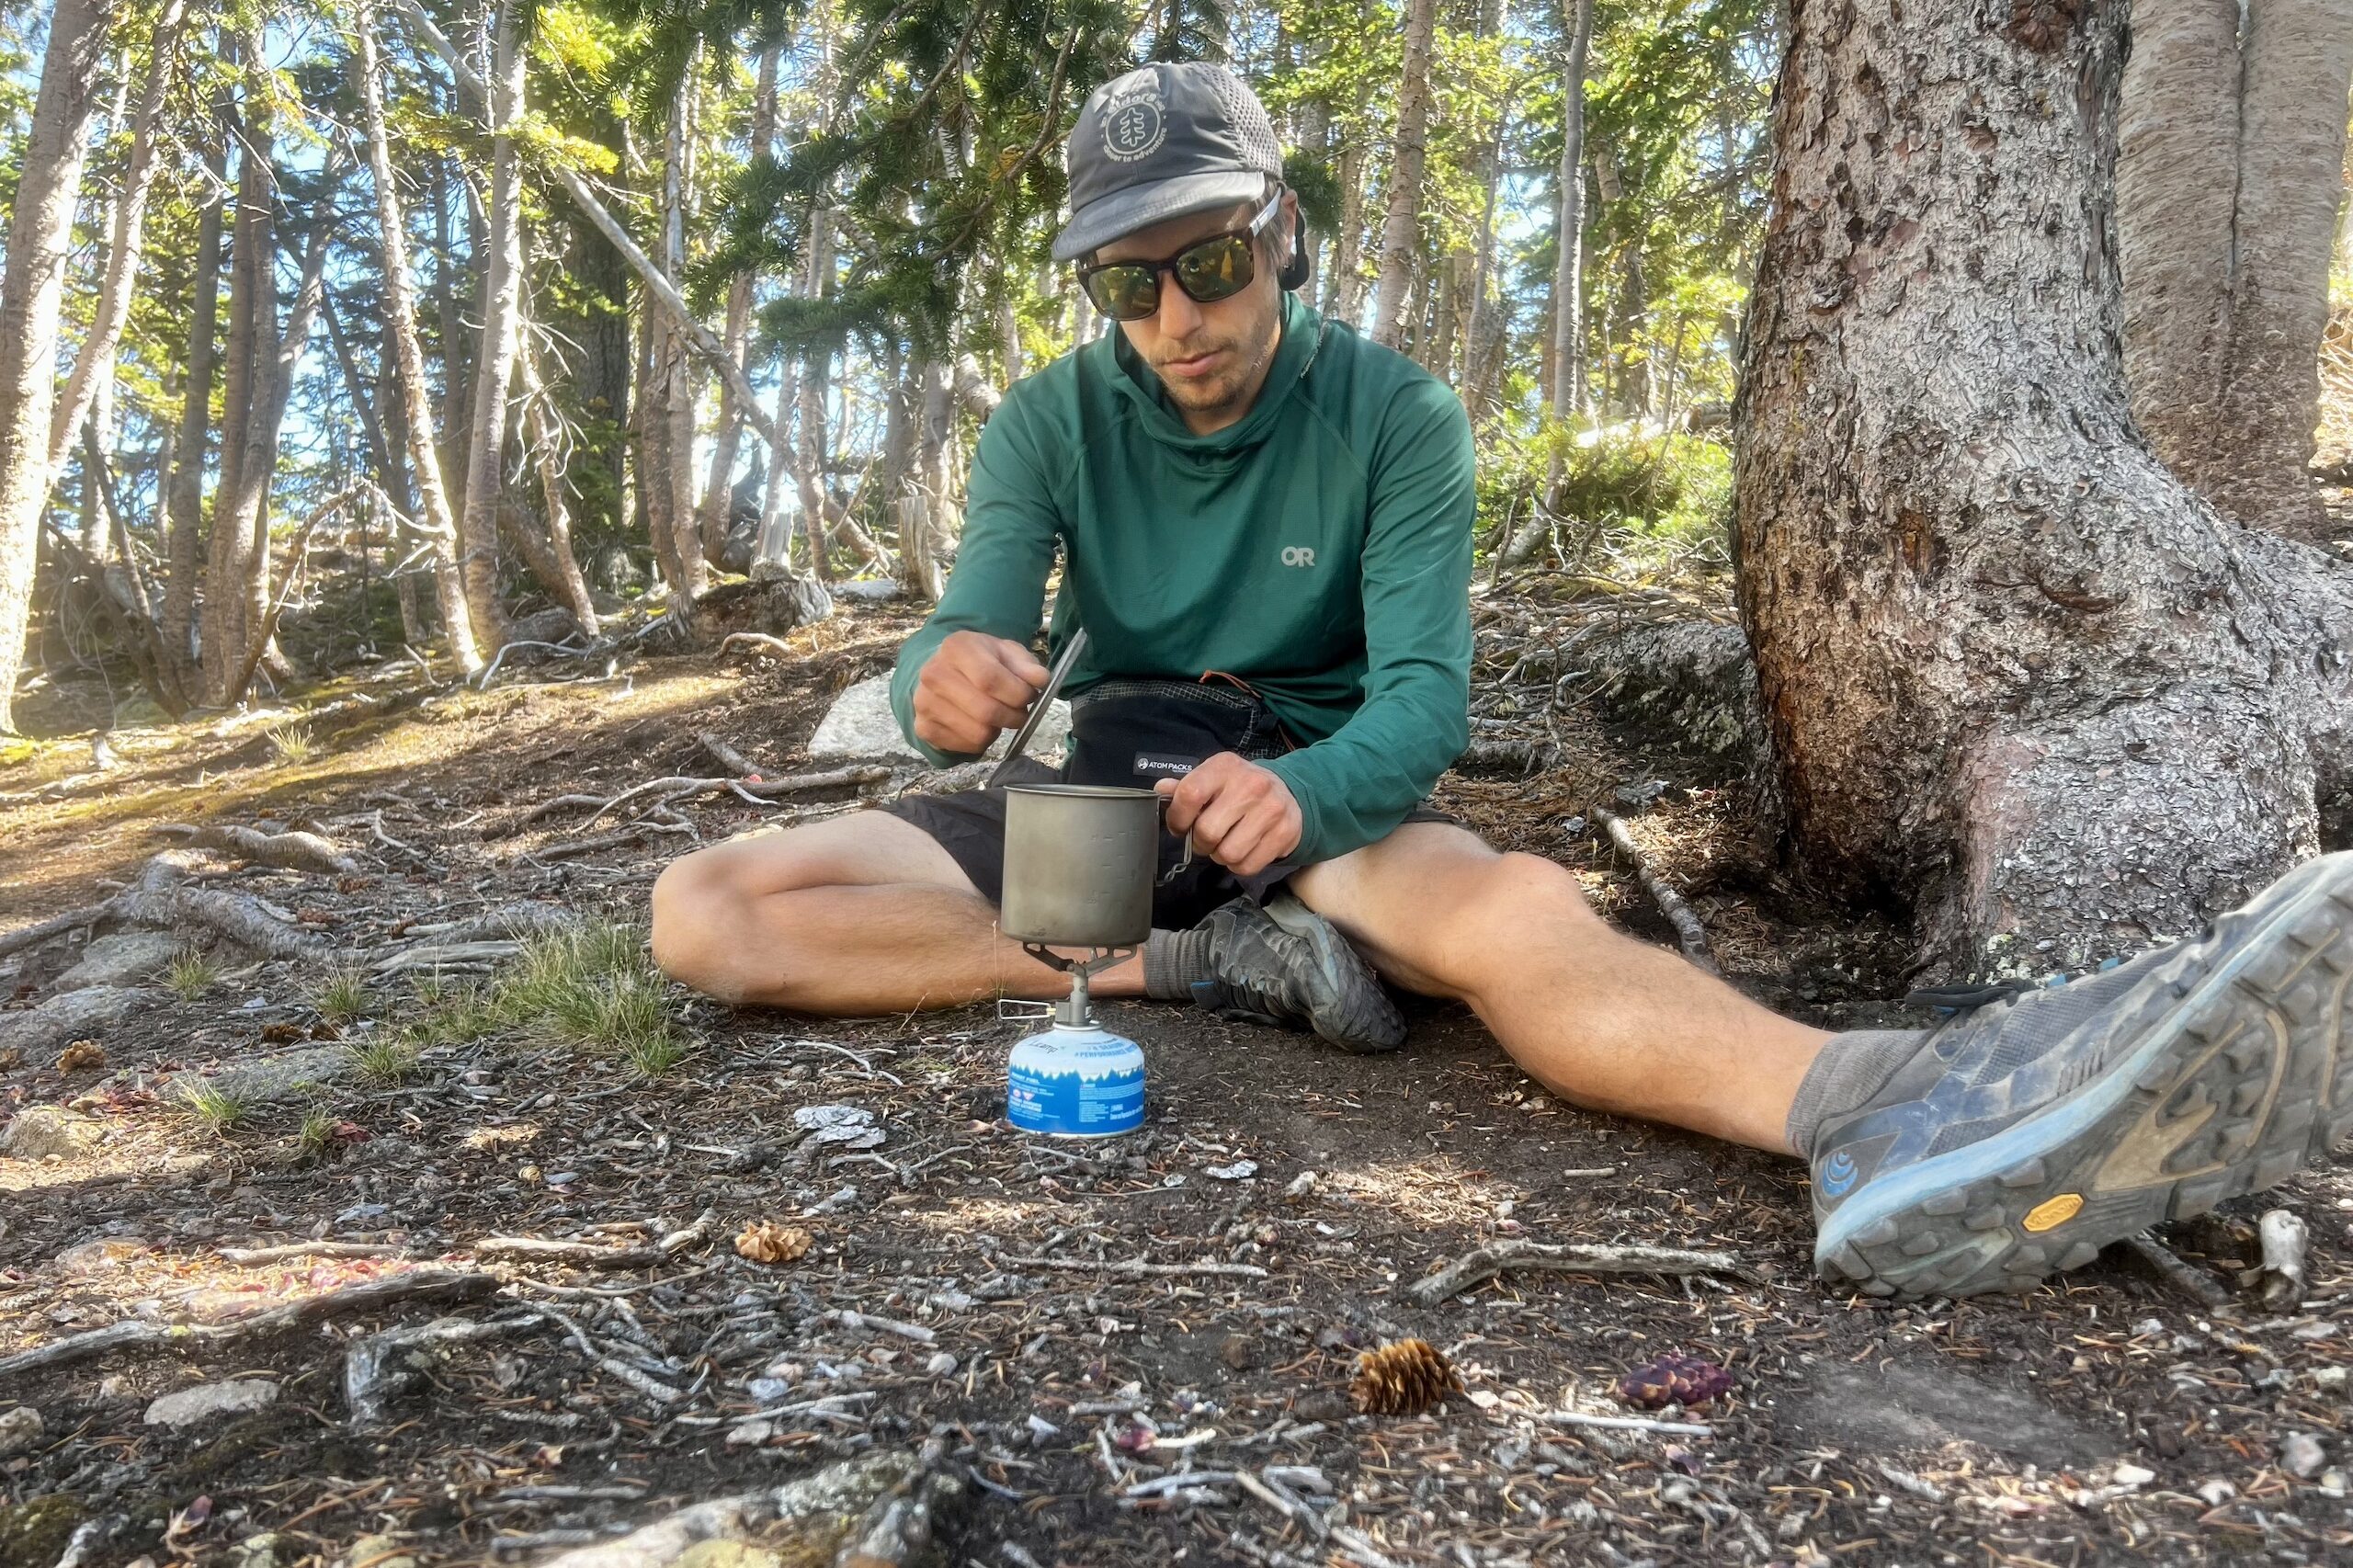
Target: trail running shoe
point(1284, 964)
point(2030, 1133)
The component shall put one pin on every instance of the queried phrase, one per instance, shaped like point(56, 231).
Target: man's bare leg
point(854, 916)
point(1596, 1016)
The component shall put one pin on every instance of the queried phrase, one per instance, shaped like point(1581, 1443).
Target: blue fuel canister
point(1075, 1081)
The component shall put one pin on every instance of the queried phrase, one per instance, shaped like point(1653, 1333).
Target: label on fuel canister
point(1068, 1082)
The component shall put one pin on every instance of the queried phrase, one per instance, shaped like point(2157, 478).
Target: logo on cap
point(1134, 123)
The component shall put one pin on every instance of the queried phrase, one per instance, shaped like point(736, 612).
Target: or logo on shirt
point(1133, 125)
point(1298, 555)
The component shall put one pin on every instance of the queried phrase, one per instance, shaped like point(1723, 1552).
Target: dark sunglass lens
point(1124, 293)
point(1216, 269)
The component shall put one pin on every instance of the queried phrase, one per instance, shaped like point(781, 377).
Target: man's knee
point(1510, 903)
point(695, 902)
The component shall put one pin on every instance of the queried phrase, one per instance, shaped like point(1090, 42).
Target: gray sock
point(1852, 1068)
point(1173, 961)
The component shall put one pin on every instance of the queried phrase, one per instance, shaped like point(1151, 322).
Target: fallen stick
point(535, 1249)
point(1476, 1267)
point(376, 1368)
point(652, 1388)
point(1691, 936)
point(139, 1335)
point(2166, 1265)
point(913, 1331)
point(1629, 1423)
point(760, 640)
point(1134, 1267)
point(448, 955)
point(729, 757)
point(293, 851)
point(308, 1249)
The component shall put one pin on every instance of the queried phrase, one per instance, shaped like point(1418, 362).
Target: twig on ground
point(1132, 1266)
point(758, 640)
point(375, 1368)
point(1359, 1549)
point(729, 757)
point(448, 955)
point(55, 925)
point(595, 1255)
point(137, 1334)
point(2161, 1261)
point(1630, 1424)
point(1690, 934)
point(247, 1256)
point(1498, 1258)
point(652, 1388)
point(913, 1331)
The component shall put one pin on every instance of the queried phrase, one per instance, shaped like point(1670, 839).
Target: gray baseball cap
point(1161, 142)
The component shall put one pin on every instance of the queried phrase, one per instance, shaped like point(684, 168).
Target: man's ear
point(1299, 266)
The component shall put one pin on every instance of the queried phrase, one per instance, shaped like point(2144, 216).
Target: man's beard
point(1243, 358)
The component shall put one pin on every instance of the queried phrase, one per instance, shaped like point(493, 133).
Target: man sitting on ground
point(1266, 529)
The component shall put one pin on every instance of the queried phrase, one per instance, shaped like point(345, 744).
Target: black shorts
point(1131, 732)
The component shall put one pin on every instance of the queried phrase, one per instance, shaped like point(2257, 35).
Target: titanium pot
point(1079, 860)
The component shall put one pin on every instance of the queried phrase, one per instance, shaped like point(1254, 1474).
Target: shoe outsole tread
point(2263, 1058)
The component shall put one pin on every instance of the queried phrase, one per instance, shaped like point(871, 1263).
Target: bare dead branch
point(1690, 934)
point(1500, 1257)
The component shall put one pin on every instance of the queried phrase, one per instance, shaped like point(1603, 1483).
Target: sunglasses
point(1207, 271)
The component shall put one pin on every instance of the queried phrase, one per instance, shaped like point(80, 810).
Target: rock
point(378, 1551)
point(41, 1130)
point(98, 1256)
point(750, 1433)
point(211, 1402)
point(2302, 1456)
point(2131, 1475)
point(19, 1429)
point(2217, 1491)
point(1238, 1351)
point(727, 1554)
point(127, 957)
point(860, 723)
point(941, 1365)
point(264, 1078)
point(259, 1550)
point(71, 1015)
point(868, 590)
point(882, 1508)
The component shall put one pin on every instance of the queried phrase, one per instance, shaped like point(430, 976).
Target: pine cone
point(765, 1241)
point(1403, 1379)
point(81, 1056)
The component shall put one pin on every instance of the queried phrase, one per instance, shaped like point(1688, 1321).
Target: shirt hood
point(1134, 380)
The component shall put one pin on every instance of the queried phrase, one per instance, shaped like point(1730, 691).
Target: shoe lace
point(1982, 994)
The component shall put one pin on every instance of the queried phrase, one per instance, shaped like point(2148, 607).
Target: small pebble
point(2302, 1456)
point(2132, 1475)
point(941, 1365)
point(2217, 1491)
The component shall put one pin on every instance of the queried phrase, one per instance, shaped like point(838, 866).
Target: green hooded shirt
point(1318, 549)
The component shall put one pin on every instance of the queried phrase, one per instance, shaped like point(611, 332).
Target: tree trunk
point(560, 575)
point(1568, 321)
point(185, 501)
point(502, 301)
point(1401, 232)
point(40, 230)
point(2014, 672)
point(719, 488)
point(93, 373)
point(2231, 147)
point(678, 382)
point(416, 397)
point(1346, 300)
point(808, 464)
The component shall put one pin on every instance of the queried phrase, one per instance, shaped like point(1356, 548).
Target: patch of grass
point(292, 744)
point(190, 975)
point(384, 1062)
point(460, 1015)
point(318, 1132)
point(594, 987)
point(216, 1109)
point(342, 996)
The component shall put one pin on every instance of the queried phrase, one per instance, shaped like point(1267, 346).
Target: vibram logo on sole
point(1838, 1175)
point(2054, 1212)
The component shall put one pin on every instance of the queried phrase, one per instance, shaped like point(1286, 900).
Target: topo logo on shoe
point(1838, 1175)
point(1134, 127)
point(1298, 555)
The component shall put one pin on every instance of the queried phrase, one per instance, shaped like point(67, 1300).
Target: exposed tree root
point(137, 1334)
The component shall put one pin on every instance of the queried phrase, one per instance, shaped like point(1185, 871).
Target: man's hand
point(973, 687)
point(1240, 814)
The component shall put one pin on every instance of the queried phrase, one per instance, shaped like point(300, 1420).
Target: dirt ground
point(1071, 1326)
